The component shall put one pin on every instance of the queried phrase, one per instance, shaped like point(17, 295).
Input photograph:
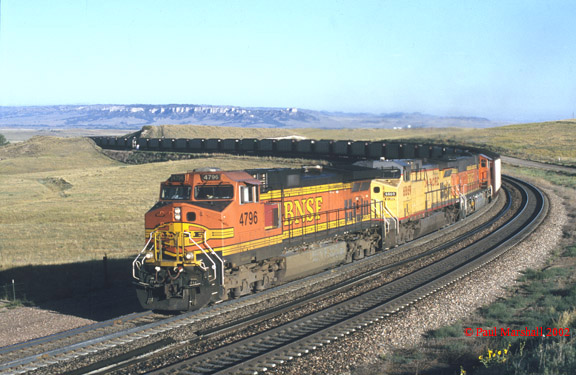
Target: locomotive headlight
point(177, 213)
point(149, 255)
point(189, 256)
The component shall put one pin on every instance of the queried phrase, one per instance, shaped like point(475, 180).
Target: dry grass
point(63, 201)
point(73, 204)
point(40, 154)
point(547, 141)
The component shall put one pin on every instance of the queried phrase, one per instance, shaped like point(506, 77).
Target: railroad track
point(277, 346)
point(23, 356)
point(156, 335)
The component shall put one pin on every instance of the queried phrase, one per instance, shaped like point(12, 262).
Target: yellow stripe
point(221, 233)
point(268, 241)
point(218, 234)
point(250, 245)
point(274, 240)
point(307, 190)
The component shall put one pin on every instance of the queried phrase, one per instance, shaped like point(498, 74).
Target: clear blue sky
point(507, 60)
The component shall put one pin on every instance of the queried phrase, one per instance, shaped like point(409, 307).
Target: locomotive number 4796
point(248, 218)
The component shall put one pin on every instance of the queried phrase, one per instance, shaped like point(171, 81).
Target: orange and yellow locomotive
point(215, 234)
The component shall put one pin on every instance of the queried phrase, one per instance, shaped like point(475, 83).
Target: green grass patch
point(556, 178)
point(570, 251)
point(454, 330)
point(499, 312)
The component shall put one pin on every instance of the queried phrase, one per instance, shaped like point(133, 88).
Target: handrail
point(293, 227)
point(385, 221)
point(205, 253)
point(136, 263)
point(216, 255)
point(463, 203)
point(393, 218)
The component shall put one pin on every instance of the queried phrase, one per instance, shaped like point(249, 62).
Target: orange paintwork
point(247, 226)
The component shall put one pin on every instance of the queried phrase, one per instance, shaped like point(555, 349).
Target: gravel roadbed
point(355, 352)
point(42, 324)
point(21, 324)
point(405, 329)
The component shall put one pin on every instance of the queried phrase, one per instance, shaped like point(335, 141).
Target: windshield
point(180, 192)
point(391, 173)
point(210, 192)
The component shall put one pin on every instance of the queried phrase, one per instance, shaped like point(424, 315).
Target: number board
point(210, 177)
point(177, 178)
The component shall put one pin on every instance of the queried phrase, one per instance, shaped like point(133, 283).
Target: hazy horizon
point(505, 61)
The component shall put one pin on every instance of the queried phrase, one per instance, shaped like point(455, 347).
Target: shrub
point(497, 311)
point(3, 140)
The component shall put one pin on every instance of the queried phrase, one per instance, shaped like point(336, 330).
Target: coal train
point(214, 235)
point(302, 148)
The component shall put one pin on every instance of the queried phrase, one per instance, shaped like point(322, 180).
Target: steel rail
point(274, 347)
point(72, 332)
point(348, 283)
point(80, 349)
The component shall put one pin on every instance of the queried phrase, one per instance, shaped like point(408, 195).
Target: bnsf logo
point(305, 209)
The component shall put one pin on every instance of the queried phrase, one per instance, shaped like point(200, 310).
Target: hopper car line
point(308, 148)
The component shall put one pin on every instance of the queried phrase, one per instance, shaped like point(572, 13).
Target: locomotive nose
point(180, 238)
point(195, 235)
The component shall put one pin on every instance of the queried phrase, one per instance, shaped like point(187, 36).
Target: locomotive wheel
point(359, 254)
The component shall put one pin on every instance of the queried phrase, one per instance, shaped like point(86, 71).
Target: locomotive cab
point(197, 212)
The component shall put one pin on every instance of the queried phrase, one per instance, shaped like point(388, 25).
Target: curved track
point(274, 347)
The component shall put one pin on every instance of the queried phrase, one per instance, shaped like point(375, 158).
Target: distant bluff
point(137, 115)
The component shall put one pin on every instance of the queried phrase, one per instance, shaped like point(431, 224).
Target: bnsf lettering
point(306, 210)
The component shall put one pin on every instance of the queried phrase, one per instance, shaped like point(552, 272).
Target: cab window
point(248, 194)
point(179, 192)
point(213, 192)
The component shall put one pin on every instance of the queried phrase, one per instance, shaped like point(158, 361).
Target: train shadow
point(96, 290)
